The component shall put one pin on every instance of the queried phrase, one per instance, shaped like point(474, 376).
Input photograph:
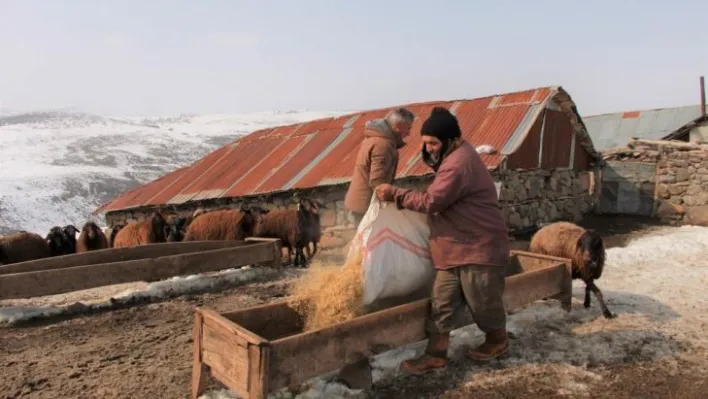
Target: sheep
point(70, 230)
point(225, 224)
point(59, 242)
point(23, 246)
point(584, 247)
point(153, 230)
point(292, 227)
point(111, 232)
point(177, 227)
point(91, 238)
point(315, 231)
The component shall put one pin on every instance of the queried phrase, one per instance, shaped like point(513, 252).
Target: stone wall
point(528, 198)
point(681, 195)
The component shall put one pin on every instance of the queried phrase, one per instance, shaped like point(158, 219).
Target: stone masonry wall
point(682, 179)
point(528, 198)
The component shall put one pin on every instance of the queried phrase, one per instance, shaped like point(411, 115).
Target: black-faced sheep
point(584, 247)
point(111, 232)
point(70, 230)
point(62, 240)
point(177, 226)
point(292, 227)
point(225, 224)
point(150, 231)
point(23, 246)
point(91, 238)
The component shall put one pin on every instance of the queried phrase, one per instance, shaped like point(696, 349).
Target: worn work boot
point(496, 343)
point(434, 358)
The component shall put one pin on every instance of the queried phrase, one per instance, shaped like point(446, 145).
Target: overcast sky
point(162, 57)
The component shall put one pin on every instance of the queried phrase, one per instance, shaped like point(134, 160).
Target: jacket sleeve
point(445, 190)
point(381, 170)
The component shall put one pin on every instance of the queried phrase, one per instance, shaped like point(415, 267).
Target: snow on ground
point(656, 285)
point(58, 166)
point(13, 311)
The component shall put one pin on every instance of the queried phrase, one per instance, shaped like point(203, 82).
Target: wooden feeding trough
point(262, 349)
point(152, 262)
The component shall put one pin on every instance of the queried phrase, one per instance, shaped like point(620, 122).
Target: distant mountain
point(57, 166)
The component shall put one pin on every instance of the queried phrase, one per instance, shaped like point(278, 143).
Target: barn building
point(544, 165)
point(630, 175)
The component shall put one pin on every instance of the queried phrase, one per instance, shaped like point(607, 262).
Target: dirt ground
point(145, 352)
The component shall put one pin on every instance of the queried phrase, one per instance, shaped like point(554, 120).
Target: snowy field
point(656, 285)
point(59, 166)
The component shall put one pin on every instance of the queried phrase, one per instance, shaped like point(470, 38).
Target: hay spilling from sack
point(336, 294)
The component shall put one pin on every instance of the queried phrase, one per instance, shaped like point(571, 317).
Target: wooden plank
point(270, 321)
point(235, 329)
point(117, 255)
point(277, 250)
point(527, 288)
point(199, 369)
point(224, 353)
point(259, 369)
point(330, 348)
point(48, 282)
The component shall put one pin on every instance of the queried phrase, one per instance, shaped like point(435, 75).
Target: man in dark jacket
point(469, 241)
point(377, 159)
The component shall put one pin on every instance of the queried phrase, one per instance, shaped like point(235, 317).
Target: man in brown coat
point(469, 242)
point(377, 159)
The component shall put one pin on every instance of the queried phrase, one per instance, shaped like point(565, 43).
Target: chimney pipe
point(703, 97)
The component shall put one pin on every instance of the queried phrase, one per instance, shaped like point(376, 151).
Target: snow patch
point(657, 286)
point(168, 288)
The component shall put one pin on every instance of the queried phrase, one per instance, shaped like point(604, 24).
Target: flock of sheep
point(296, 228)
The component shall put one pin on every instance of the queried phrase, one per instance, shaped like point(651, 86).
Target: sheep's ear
point(579, 243)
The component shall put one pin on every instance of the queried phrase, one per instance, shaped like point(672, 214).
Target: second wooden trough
point(262, 349)
point(153, 262)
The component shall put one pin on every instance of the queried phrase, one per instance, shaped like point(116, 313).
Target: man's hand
point(384, 192)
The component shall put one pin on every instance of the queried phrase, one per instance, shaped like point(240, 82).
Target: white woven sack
point(395, 251)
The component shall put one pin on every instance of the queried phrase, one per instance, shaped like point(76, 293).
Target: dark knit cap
point(441, 124)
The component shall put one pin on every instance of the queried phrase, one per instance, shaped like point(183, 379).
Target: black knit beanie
point(441, 124)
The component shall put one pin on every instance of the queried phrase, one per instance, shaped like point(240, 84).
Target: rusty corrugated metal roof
point(322, 152)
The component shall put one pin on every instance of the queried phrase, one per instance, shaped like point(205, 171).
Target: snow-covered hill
point(56, 167)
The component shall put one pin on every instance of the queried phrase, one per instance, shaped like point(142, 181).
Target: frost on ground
point(108, 297)
point(656, 285)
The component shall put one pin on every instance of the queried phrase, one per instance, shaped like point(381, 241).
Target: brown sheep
point(315, 232)
point(292, 227)
point(91, 238)
point(584, 247)
point(23, 246)
point(153, 230)
point(225, 224)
